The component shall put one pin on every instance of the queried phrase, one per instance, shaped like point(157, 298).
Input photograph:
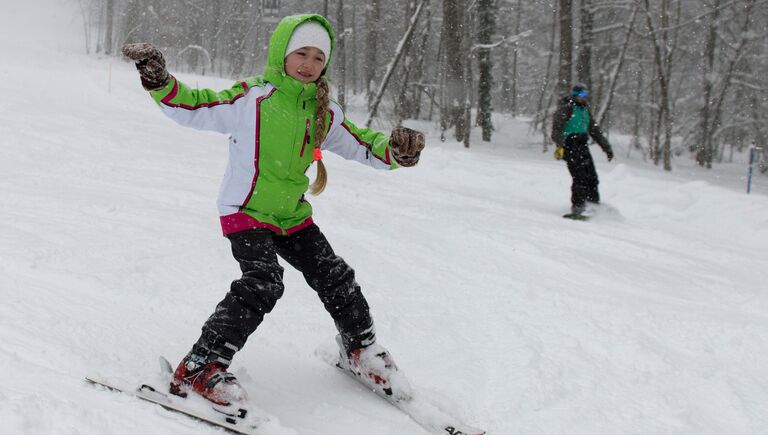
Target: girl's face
point(305, 64)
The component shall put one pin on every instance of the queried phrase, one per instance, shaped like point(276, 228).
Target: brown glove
point(150, 63)
point(406, 145)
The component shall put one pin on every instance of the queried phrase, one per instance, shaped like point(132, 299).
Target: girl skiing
point(278, 125)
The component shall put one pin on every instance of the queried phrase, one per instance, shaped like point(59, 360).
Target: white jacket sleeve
point(360, 144)
point(205, 109)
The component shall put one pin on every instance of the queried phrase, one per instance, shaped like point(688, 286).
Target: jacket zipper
point(306, 139)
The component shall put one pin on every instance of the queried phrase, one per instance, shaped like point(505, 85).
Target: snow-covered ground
point(648, 320)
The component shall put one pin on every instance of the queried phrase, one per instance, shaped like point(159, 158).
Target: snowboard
point(419, 408)
point(576, 216)
point(601, 212)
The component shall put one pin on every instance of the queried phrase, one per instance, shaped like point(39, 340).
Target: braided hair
point(323, 105)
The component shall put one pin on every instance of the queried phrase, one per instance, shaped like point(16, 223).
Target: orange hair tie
point(318, 154)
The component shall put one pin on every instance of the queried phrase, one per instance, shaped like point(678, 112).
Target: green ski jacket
point(270, 123)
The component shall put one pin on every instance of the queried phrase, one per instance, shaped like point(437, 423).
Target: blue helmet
point(580, 90)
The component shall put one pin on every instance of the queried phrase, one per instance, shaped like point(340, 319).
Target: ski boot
point(375, 368)
point(204, 371)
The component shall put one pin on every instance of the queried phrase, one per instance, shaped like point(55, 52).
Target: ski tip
point(165, 365)
point(97, 381)
point(450, 430)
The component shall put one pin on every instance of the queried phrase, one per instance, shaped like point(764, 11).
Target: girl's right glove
point(150, 63)
point(406, 145)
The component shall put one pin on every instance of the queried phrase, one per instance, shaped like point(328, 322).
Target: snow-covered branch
point(504, 40)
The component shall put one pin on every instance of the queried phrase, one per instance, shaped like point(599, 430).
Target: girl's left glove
point(406, 145)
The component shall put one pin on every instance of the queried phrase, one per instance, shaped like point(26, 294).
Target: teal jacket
point(571, 118)
point(270, 123)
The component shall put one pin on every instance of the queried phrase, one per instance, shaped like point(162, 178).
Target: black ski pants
point(582, 169)
point(255, 293)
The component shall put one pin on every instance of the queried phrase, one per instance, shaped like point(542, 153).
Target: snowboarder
point(278, 125)
point(572, 125)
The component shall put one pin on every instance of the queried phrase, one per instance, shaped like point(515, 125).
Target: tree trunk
point(566, 47)
point(419, 74)
point(402, 104)
point(87, 30)
point(638, 109)
point(465, 128)
point(542, 111)
point(662, 57)
point(584, 63)
point(354, 70)
point(215, 25)
point(109, 26)
point(486, 28)
point(453, 75)
point(372, 17)
point(341, 55)
point(703, 146)
point(513, 90)
point(759, 136)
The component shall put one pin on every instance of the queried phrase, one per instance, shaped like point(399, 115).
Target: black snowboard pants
point(582, 169)
point(257, 291)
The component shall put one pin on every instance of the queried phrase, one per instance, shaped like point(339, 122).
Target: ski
point(150, 394)
point(422, 411)
point(237, 421)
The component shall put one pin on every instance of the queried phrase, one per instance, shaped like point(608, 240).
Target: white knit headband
point(310, 34)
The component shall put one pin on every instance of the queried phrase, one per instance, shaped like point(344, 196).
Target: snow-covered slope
point(651, 319)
